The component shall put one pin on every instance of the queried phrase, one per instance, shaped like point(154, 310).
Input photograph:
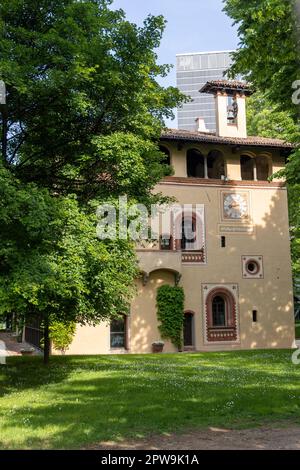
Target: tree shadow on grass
point(78, 401)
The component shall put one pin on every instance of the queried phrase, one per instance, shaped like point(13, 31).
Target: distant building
point(192, 72)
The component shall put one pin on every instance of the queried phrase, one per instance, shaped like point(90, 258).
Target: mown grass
point(80, 400)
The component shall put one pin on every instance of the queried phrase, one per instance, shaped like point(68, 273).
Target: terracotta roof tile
point(227, 85)
point(209, 137)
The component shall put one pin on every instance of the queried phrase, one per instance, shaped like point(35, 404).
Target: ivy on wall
point(170, 313)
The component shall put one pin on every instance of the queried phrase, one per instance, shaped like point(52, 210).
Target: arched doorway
point(188, 330)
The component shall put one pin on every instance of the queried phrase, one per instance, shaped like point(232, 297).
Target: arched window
point(221, 315)
point(188, 233)
point(247, 168)
point(215, 164)
point(166, 152)
point(219, 311)
point(195, 164)
point(262, 168)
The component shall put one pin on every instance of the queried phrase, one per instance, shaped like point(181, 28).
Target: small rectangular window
point(254, 316)
point(165, 242)
point(118, 333)
point(223, 242)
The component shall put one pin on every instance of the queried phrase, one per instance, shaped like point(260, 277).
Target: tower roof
point(229, 86)
point(180, 135)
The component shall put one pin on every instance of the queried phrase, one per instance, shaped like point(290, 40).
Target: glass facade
point(192, 72)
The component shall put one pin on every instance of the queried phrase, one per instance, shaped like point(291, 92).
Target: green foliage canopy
point(51, 261)
point(266, 120)
point(77, 72)
point(269, 57)
point(62, 334)
point(83, 115)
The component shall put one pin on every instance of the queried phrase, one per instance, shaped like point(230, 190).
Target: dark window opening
point(247, 168)
point(252, 267)
point(232, 110)
point(262, 168)
point(219, 311)
point(223, 242)
point(215, 164)
point(254, 316)
point(188, 233)
point(118, 332)
point(195, 164)
point(166, 152)
point(165, 242)
point(188, 329)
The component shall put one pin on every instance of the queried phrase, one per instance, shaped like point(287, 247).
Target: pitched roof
point(209, 137)
point(229, 86)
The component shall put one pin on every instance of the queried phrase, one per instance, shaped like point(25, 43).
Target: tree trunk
point(4, 133)
point(46, 341)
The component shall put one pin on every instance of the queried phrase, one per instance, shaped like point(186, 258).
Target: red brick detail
point(193, 257)
point(221, 334)
point(210, 182)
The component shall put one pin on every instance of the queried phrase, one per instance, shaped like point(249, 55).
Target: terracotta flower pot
point(157, 348)
point(26, 352)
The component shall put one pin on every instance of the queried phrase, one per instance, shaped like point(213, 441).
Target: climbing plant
point(170, 308)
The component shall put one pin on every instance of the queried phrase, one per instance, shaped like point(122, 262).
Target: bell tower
point(230, 97)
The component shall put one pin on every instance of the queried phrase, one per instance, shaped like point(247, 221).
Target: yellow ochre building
point(236, 272)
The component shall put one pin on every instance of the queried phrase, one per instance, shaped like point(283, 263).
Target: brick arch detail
point(229, 332)
point(191, 312)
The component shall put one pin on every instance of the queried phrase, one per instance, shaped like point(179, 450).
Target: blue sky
point(193, 26)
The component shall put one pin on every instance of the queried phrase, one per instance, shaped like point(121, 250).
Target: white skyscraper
point(192, 72)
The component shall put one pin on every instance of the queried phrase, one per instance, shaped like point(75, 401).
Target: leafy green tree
point(266, 120)
point(267, 55)
point(269, 58)
point(52, 265)
point(62, 334)
point(76, 71)
point(83, 115)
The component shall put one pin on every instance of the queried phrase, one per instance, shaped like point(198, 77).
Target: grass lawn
point(81, 400)
point(297, 330)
